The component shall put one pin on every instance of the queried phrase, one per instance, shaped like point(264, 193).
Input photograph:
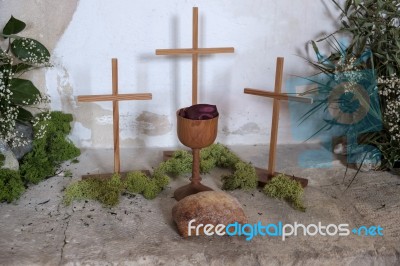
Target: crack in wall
point(65, 238)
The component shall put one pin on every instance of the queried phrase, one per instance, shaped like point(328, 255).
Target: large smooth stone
point(209, 207)
point(10, 161)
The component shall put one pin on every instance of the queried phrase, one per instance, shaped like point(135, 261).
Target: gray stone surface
point(39, 230)
point(24, 132)
point(10, 161)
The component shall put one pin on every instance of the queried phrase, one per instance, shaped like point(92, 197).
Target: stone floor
point(39, 230)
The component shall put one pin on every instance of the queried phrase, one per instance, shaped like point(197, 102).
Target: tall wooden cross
point(277, 95)
point(195, 51)
point(115, 98)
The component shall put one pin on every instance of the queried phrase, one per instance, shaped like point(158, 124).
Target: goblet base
point(190, 189)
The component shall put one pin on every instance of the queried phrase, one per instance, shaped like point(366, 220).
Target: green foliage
point(374, 31)
point(244, 177)
point(50, 149)
point(284, 187)
point(13, 26)
point(2, 158)
point(30, 51)
point(11, 185)
point(374, 25)
point(21, 55)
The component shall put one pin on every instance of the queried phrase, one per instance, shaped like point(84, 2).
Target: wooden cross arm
point(185, 51)
point(111, 97)
point(278, 96)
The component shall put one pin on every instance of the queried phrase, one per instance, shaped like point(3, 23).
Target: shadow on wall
point(304, 51)
point(220, 96)
point(175, 70)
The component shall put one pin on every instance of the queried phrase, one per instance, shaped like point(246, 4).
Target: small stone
point(10, 161)
point(209, 207)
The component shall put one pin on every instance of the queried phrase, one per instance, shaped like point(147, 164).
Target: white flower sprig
point(346, 70)
point(390, 90)
point(9, 111)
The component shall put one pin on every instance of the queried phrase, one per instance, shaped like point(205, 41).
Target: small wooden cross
point(115, 98)
point(265, 176)
point(195, 51)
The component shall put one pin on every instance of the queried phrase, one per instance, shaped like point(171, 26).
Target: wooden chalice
point(195, 134)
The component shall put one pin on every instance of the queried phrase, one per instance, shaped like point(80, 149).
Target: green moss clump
point(151, 190)
point(49, 149)
point(106, 192)
point(110, 191)
point(11, 185)
point(221, 156)
point(244, 177)
point(284, 187)
point(161, 180)
point(80, 190)
point(180, 163)
point(136, 182)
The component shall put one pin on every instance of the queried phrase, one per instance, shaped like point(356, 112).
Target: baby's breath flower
point(390, 90)
point(9, 111)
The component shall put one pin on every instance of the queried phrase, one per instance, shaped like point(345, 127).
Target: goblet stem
point(196, 179)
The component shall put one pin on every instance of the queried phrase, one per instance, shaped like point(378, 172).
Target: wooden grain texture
point(111, 97)
point(195, 59)
point(197, 134)
point(275, 116)
point(264, 177)
point(200, 51)
point(277, 96)
point(280, 96)
point(117, 162)
point(195, 51)
point(115, 98)
point(195, 28)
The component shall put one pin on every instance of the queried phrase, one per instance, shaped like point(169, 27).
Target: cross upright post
point(195, 51)
point(115, 97)
point(277, 96)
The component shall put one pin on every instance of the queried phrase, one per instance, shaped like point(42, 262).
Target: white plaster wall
point(131, 30)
